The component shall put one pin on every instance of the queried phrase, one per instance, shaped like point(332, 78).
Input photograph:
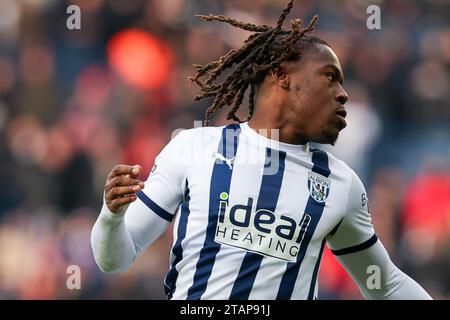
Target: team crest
point(319, 186)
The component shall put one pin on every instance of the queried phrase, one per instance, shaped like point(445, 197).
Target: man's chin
point(327, 137)
point(331, 138)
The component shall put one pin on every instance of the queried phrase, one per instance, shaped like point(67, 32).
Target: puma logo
point(229, 162)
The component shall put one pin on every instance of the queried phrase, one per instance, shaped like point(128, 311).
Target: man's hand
point(121, 186)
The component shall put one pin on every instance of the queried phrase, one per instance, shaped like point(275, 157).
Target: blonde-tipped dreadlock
point(264, 50)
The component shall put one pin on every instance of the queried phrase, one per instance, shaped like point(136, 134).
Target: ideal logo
point(261, 231)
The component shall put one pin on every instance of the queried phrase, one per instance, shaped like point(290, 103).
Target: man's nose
point(341, 96)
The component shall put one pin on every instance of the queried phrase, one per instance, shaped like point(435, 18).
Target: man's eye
point(331, 77)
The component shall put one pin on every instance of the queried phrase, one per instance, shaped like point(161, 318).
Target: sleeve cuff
point(155, 207)
point(362, 246)
point(109, 216)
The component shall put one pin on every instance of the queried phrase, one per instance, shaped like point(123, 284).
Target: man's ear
point(280, 77)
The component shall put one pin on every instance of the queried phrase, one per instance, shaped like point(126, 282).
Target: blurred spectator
point(73, 103)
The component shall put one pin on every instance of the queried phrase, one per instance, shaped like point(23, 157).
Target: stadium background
point(73, 103)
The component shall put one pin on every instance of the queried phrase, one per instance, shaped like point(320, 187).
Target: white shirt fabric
point(251, 218)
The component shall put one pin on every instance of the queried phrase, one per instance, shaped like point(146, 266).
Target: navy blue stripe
point(220, 182)
point(177, 250)
point(312, 287)
point(315, 210)
point(267, 199)
point(359, 247)
point(154, 207)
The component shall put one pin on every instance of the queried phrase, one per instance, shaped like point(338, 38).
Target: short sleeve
point(355, 232)
point(164, 187)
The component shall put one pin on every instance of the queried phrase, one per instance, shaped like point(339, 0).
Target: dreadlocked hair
point(264, 50)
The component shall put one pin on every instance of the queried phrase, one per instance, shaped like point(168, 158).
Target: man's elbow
point(402, 287)
point(110, 267)
point(107, 262)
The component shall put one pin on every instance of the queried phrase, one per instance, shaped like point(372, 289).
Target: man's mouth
point(341, 113)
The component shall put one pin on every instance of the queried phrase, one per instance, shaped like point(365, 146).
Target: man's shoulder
point(338, 166)
point(349, 181)
point(201, 133)
point(195, 138)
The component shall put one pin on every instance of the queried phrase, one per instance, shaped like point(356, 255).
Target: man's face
point(316, 96)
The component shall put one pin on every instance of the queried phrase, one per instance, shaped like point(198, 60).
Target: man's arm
point(377, 277)
point(133, 217)
point(117, 239)
point(357, 248)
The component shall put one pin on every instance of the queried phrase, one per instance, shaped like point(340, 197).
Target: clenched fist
point(121, 186)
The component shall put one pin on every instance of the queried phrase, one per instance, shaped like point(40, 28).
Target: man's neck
point(276, 130)
point(269, 116)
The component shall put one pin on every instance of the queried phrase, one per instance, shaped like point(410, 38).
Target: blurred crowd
point(73, 103)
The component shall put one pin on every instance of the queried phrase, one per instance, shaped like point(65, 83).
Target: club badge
point(319, 186)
